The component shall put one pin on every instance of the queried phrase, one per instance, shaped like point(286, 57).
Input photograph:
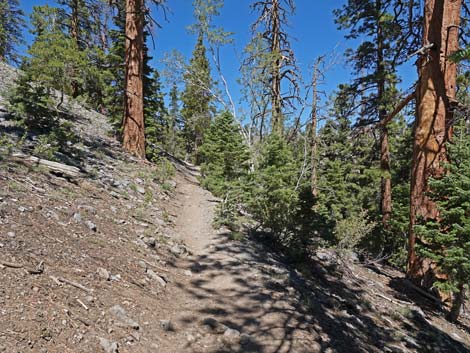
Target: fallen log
point(57, 167)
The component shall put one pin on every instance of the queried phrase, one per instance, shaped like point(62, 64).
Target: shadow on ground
point(251, 290)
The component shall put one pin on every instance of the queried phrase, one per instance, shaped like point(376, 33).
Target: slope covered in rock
point(122, 257)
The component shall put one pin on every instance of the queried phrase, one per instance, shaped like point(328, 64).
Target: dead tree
point(279, 64)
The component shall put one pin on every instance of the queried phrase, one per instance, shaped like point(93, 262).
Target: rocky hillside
point(114, 255)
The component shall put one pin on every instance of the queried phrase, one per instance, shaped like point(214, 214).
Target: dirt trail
point(235, 297)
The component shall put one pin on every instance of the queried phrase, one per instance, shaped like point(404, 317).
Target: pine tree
point(11, 27)
point(55, 59)
point(386, 38)
point(197, 99)
point(133, 122)
point(348, 173)
point(114, 83)
point(273, 197)
point(447, 241)
point(436, 94)
point(155, 113)
point(223, 154)
point(175, 121)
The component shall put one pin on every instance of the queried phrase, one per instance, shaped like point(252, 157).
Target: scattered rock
point(77, 217)
point(171, 183)
point(108, 346)
point(166, 325)
point(11, 234)
point(121, 314)
point(188, 273)
point(140, 190)
point(150, 242)
point(91, 226)
point(159, 221)
point(178, 250)
point(103, 274)
point(231, 336)
point(411, 342)
point(52, 215)
point(115, 278)
point(89, 209)
point(142, 264)
point(156, 277)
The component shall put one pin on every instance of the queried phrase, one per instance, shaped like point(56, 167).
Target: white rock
point(108, 346)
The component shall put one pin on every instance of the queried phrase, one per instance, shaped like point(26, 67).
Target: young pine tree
point(197, 98)
point(348, 175)
point(114, 91)
point(224, 156)
point(54, 59)
point(446, 241)
point(274, 199)
point(155, 113)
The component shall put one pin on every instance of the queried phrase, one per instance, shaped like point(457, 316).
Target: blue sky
point(312, 29)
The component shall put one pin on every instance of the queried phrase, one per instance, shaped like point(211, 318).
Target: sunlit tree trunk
point(436, 92)
point(133, 124)
point(277, 120)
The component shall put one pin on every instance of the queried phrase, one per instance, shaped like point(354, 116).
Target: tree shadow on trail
point(244, 286)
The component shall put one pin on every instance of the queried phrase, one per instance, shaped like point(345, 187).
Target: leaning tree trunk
point(433, 129)
point(133, 124)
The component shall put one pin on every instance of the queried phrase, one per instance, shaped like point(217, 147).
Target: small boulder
point(103, 274)
point(77, 217)
point(167, 325)
point(231, 336)
point(150, 242)
point(154, 276)
point(91, 226)
point(121, 314)
point(108, 346)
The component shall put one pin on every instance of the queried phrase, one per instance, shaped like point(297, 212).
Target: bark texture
point(433, 129)
point(277, 120)
point(386, 182)
point(313, 128)
point(133, 123)
point(74, 33)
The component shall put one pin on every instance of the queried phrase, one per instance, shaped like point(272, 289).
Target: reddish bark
point(433, 129)
point(133, 124)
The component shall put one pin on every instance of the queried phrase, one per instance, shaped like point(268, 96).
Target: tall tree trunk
point(433, 129)
point(276, 98)
point(313, 131)
point(386, 182)
point(133, 124)
point(74, 34)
